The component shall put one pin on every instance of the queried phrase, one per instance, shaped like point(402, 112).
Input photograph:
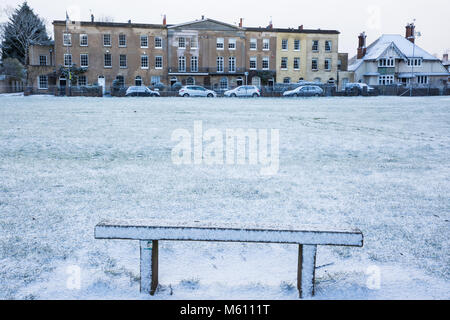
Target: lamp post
point(413, 37)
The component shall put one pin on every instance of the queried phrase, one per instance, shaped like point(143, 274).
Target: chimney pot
point(362, 50)
point(164, 20)
point(410, 32)
point(241, 23)
point(92, 18)
point(445, 57)
point(300, 27)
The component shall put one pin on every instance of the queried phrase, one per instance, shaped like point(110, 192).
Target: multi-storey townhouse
point(307, 55)
point(261, 48)
point(132, 54)
point(206, 52)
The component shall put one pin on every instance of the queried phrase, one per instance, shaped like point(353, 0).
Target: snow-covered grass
point(378, 164)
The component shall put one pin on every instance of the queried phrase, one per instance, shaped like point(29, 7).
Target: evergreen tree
point(23, 29)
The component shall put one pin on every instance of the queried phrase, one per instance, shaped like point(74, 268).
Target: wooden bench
point(151, 231)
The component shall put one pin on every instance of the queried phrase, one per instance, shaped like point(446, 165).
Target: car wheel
point(255, 95)
point(233, 95)
point(210, 95)
point(186, 95)
point(297, 95)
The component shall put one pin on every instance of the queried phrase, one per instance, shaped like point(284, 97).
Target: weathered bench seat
point(149, 232)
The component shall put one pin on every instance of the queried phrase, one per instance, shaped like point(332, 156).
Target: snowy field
point(379, 164)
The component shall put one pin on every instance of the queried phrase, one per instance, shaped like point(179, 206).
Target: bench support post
point(149, 266)
point(306, 270)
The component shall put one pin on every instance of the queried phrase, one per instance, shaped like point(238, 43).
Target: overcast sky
point(350, 17)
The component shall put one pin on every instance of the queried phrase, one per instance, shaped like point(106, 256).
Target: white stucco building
point(393, 59)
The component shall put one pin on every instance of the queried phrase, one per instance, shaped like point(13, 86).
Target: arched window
point(190, 81)
point(239, 81)
point(331, 81)
point(317, 80)
point(138, 81)
point(287, 80)
point(224, 83)
point(173, 80)
point(301, 79)
point(256, 81)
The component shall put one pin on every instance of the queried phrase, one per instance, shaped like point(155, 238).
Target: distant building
point(307, 55)
point(394, 59)
point(205, 52)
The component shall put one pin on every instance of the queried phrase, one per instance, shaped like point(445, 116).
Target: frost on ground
point(378, 164)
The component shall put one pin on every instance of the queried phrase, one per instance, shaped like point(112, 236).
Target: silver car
point(196, 91)
point(243, 91)
point(304, 91)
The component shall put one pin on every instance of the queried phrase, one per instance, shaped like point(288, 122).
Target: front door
point(62, 86)
point(102, 83)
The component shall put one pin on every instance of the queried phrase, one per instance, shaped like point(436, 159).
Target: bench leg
point(149, 266)
point(306, 270)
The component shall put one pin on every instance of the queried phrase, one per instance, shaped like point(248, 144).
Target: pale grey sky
point(350, 17)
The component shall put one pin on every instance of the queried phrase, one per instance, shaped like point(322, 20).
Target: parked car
point(243, 91)
point(141, 91)
point(360, 87)
point(196, 91)
point(304, 91)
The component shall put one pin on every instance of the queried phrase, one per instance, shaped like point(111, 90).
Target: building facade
point(205, 52)
point(307, 55)
point(394, 59)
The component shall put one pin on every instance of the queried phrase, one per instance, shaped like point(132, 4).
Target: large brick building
point(204, 52)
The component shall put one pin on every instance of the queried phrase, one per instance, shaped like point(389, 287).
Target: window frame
point(181, 63)
point(330, 45)
point(284, 44)
point(316, 62)
point(71, 60)
point(220, 44)
point(284, 63)
point(81, 59)
point(329, 62)
point(40, 82)
point(232, 41)
point(121, 60)
point(296, 60)
point(40, 60)
point(266, 41)
point(104, 60)
point(315, 46)
point(297, 41)
point(265, 60)
point(159, 61)
point(143, 41)
point(180, 41)
point(67, 36)
point(194, 63)
point(232, 64)
point(160, 39)
point(253, 44)
point(119, 39)
point(255, 60)
point(220, 63)
point(106, 36)
point(85, 80)
point(145, 62)
point(82, 36)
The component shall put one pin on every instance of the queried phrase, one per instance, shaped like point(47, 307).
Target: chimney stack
point(362, 46)
point(300, 27)
point(410, 32)
point(241, 23)
point(445, 58)
point(92, 18)
point(164, 21)
point(203, 17)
